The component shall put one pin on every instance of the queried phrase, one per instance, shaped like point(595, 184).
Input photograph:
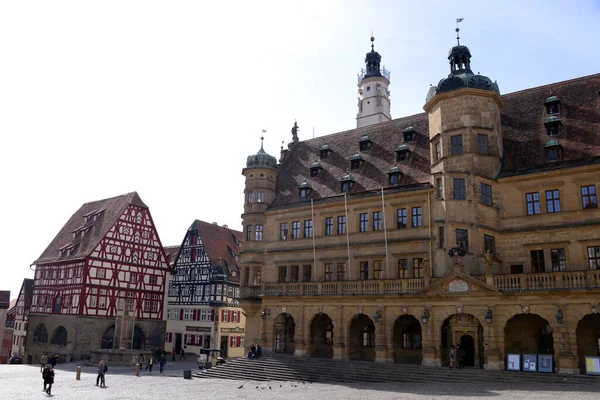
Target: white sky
point(168, 98)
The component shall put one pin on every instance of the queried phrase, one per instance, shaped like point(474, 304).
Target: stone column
point(300, 339)
point(431, 341)
point(565, 348)
point(381, 345)
point(340, 340)
point(493, 346)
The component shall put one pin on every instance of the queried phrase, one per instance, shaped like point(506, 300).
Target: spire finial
point(262, 138)
point(458, 30)
point(372, 41)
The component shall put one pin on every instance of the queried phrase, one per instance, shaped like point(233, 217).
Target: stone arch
point(40, 334)
point(588, 338)
point(139, 338)
point(108, 338)
point(284, 329)
point(157, 337)
point(407, 340)
point(59, 336)
point(321, 336)
point(466, 331)
point(361, 338)
point(528, 334)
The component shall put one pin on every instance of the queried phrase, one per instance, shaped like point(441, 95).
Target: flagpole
point(347, 235)
point(387, 264)
point(312, 209)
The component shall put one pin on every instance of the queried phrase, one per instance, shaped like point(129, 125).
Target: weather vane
point(458, 30)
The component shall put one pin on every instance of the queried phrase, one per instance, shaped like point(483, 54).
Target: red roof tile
point(220, 244)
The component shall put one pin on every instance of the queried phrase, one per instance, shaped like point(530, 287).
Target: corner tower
point(466, 152)
point(373, 91)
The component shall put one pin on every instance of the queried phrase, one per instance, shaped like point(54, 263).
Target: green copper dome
point(261, 159)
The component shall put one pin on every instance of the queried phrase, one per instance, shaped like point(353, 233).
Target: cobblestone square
point(24, 382)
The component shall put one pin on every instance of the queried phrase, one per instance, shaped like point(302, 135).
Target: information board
point(530, 362)
point(592, 365)
point(513, 362)
point(545, 363)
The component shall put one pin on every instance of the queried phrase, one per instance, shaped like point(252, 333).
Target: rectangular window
point(153, 280)
point(377, 269)
point(588, 197)
point(257, 277)
point(377, 221)
point(537, 261)
point(559, 260)
point(251, 197)
point(553, 201)
point(533, 203)
point(364, 270)
point(402, 268)
point(248, 233)
point(308, 228)
point(260, 197)
point(283, 231)
point(100, 273)
point(259, 233)
point(594, 257)
point(341, 271)
point(132, 278)
point(364, 222)
point(295, 229)
point(328, 272)
point(460, 189)
point(307, 272)
point(328, 226)
point(437, 153)
point(188, 315)
point(486, 194)
point(441, 237)
point(489, 243)
point(456, 143)
point(417, 267)
point(341, 224)
point(417, 217)
point(440, 188)
point(401, 216)
point(462, 239)
point(282, 274)
point(295, 273)
point(482, 143)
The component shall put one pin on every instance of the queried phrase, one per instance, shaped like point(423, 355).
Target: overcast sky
point(100, 98)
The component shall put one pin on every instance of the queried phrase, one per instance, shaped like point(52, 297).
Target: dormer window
point(315, 169)
point(553, 125)
point(365, 143)
point(552, 104)
point(402, 152)
point(325, 151)
point(304, 190)
point(408, 134)
point(347, 182)
point(553, 150)
point(356, 161)
point(394, 175)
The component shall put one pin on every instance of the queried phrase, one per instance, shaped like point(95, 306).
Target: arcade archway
point(528, 334)
point(407, 340)
point(463, 330)
point(283, 334)
point(588, 338)
point(321, 336)
point(361, 338)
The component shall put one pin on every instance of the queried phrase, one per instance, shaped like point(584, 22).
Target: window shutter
point(212, 315)
point(231, 341)
point(230, 316)
point(181, 313)
point(222, 315)
point(170, 337)
point(199, 340)
point(194, 316)
point(185, 338)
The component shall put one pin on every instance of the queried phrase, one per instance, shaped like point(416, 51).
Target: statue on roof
point(295, 130)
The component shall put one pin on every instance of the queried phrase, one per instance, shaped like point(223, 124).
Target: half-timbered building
point(202, 306)
point(5, 320)
point(106, 262)
point(21, 318)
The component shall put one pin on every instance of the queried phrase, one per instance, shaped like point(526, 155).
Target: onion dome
point(372, 61)
point(261, 159)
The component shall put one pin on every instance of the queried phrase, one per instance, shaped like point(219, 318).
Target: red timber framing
point(126, 264)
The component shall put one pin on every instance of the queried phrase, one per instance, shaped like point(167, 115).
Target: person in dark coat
point(48, 376)
point(150, 363)
point(102, 368)
point(258, 350)
point(174, 352)
point(53, 360)
point(182, 354)
point(460, 356)
point(162, 362)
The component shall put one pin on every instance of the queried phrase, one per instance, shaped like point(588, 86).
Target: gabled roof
point(108, 212)
point(523, 131)
point(220, 243)
point(171, 253)
point(27, 292)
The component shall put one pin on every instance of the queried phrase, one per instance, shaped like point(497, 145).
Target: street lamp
point(488, 316)
point(425, 316)
point(560, 316)
point(378, 316)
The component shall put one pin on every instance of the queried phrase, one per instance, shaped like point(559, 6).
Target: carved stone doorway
point(464, 330)
point(284, 331)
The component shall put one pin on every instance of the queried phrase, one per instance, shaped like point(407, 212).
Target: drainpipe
point(430, 272)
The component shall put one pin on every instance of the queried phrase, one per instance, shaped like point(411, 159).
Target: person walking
point(162, 362)
point(452, 356)
point(174, 352)
point(460, 356)
point(43, 362)
point(258, 350)
point(182, 354)
point(102, 368)
point(48, 379)
point(140, 360)
point(150, 363)
point(53, 360)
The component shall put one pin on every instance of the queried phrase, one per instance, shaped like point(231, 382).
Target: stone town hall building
point(347, 237)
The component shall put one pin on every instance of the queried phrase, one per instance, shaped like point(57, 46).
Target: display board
point(545, 363)
point(592, 365)
point(530, 362)
point(513, 362)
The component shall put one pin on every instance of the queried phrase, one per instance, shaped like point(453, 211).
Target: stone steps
point(285, 368)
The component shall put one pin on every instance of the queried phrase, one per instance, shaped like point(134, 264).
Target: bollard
point(137, 369)
point(78, 376)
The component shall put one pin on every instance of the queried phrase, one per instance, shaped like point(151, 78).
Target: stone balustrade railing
point(549, 280)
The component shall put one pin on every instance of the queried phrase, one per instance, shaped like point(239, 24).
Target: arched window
point(59, 336)
point(40, 335)
point(108, 338)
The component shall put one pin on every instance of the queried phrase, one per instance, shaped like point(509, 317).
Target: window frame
point(417, 216)
point(532, 202)
point(308, 228)
point(283, 230)
point(341, 224)
point(328, 226)
point(364, 270)
point(482, 144)
point(462, 238)
point(401, 215)
point(486, 194)
point(553, 201)
point(403, 271)
point(258, 233)
point(377, 220)
point(456, 145)
point(558, 259)
point(538, 264)
point(460, 188)
point(593, 253)
point(295, 229)
point(589, 200)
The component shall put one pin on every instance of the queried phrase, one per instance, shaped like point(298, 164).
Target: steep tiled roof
point(220, 243)
point(523, 131)
point(4, 299)
point(108, 211)
point(171, 253)
point(27, 292)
